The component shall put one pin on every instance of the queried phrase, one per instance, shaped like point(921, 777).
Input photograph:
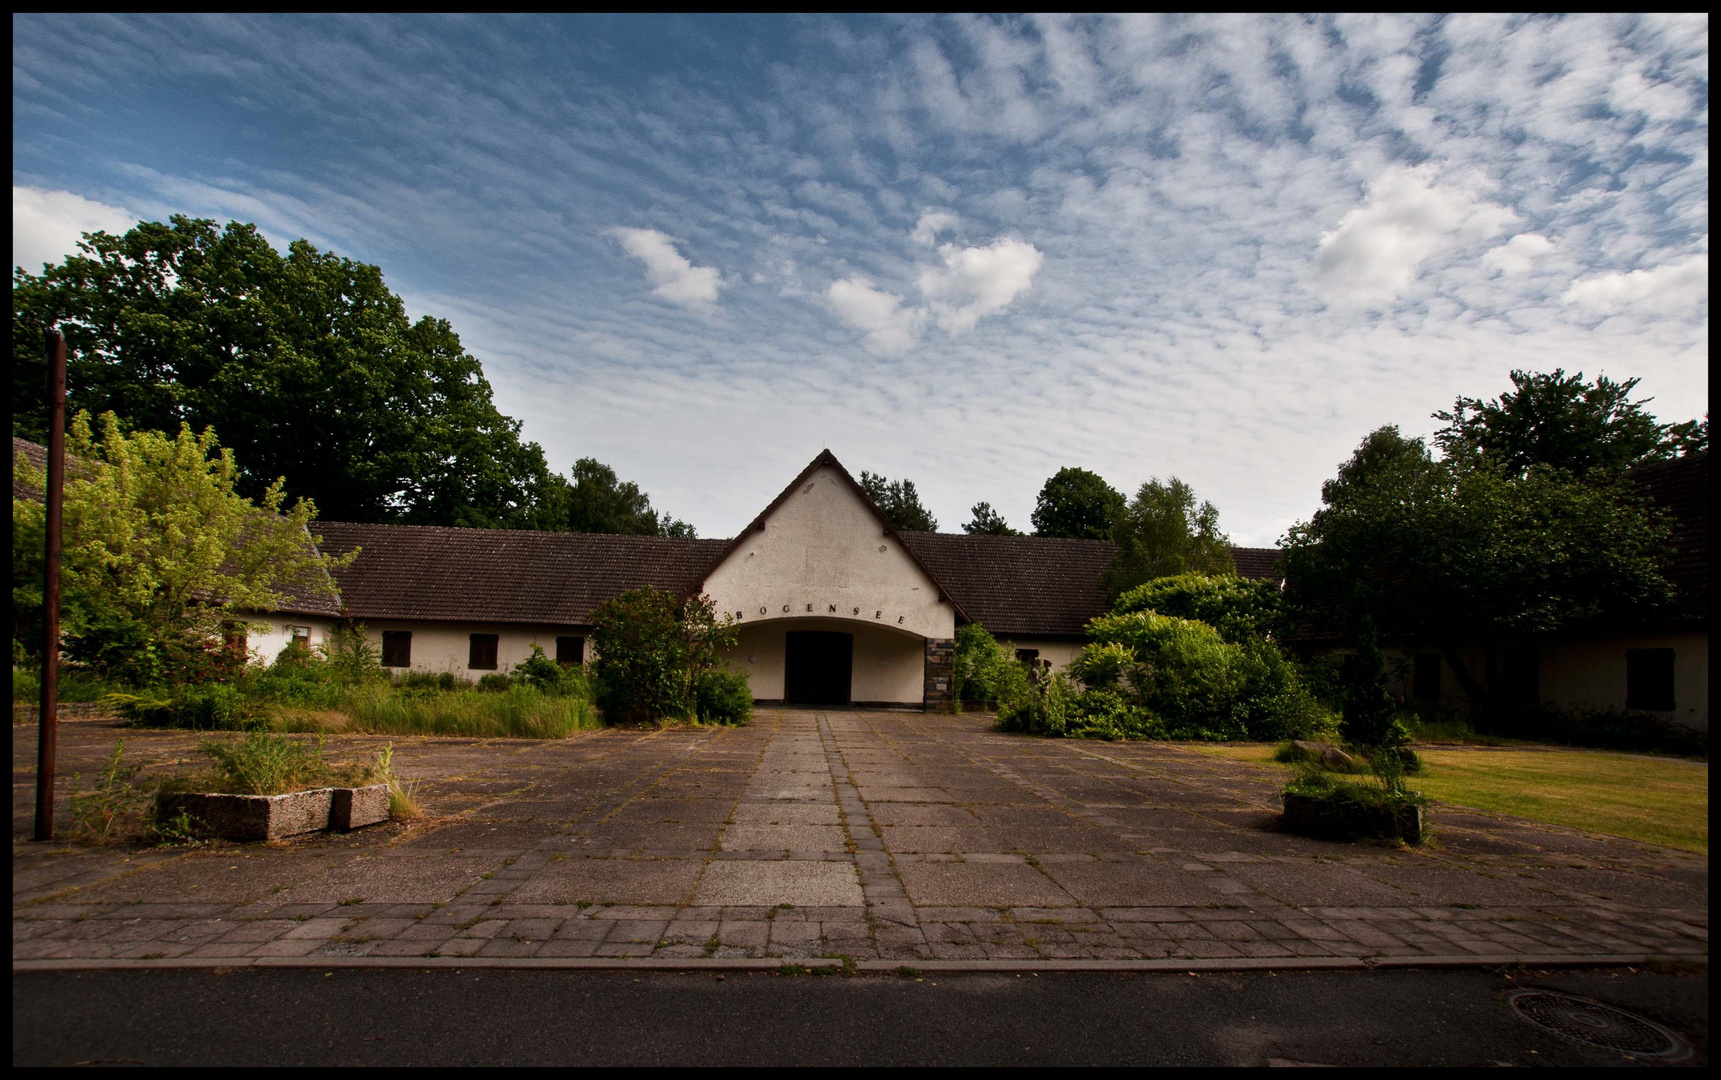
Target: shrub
point(1372, 716)
point(722, 696)
point(1321, 805)
point(350, 656)
point(651, 648)
point(1042, 708)
point(985, 671)
point(1186, 681)
point(1239, 608)
point(494, 683)
point(1603, 729)
point(201, 708)
point(426, 680)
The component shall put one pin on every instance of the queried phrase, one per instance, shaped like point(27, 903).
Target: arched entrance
point(818, 667)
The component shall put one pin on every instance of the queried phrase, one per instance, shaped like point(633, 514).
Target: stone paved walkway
point(870, 835)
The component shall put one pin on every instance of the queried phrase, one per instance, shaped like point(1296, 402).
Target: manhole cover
point(1595, 1024)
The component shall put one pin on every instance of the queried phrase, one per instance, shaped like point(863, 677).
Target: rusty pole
point(53, 502)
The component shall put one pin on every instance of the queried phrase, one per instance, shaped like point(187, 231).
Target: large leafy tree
point(988, 522)
point(1164, 531)
point(160, 552)
point(1560, 421)
point(304, 362)
point(1078, 504)
point(1467, 549)
point(597, 501)
point(899, 502)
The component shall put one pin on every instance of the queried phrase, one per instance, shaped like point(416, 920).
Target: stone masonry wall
point(940, 674)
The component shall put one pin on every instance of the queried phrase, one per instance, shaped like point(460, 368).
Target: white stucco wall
point(822, 554)
point(268, 634)
point(440, 646)
point(436, 646)
point(1060, 652)
point(888, 666)
point(1590, 674)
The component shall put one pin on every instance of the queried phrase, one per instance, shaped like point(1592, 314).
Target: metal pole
point(53, 503)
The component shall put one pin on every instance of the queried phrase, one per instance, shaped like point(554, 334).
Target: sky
point(964, 251)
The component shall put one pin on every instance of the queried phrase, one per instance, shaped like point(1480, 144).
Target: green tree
point(305, 362)
point(161, 555)
point(1076, 503)
point(1163, 532)
point(599, 502)
point(1463, 550)
point(988, 522)
point(898, 502)
point(1563, 422)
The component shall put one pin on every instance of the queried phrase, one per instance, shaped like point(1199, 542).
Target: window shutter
point(482, 655)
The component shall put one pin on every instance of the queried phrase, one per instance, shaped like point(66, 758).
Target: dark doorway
point(816, 667)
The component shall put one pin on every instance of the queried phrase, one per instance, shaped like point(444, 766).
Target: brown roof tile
point(502, 575)
point(1681, 487)
point(1037, 584)
point(1018, 584)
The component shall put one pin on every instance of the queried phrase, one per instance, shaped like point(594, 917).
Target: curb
point(867, 967)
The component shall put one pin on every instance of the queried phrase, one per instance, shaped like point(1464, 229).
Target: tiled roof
point(1018, 584)
point(1681, 487)
point(37, 455)
point(1036, 584)
point(1258, 562)
point(502, 575)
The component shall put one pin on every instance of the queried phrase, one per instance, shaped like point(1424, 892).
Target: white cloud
point(978, 281)
point(890, 327)
point(47, 225)
point(1408, 216)
point(931, 223)
point(1678, 284)
point(1518, 254)
point(672, 276)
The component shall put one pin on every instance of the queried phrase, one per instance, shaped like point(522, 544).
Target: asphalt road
point(496, 1017)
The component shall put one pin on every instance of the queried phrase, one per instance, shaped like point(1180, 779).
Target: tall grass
point(520, 712)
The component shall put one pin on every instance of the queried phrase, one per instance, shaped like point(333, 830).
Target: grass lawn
point(1654, 799)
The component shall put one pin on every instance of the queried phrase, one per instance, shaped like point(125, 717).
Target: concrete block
point(352, 808)
point(251, 817)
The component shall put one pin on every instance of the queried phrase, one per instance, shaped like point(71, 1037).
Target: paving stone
point(979, 883)
point(784, 882)
point(943, 813)
point(627, 881)
point(744, 934)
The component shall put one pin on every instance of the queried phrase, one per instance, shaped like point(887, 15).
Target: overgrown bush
point(426, 681)
point(985, 671)
point(1372, 716)
point(76, 686)
point(652, 649)
point(494, 682)
point(722, 696)
point(1185, 681)
point(1239, 608)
